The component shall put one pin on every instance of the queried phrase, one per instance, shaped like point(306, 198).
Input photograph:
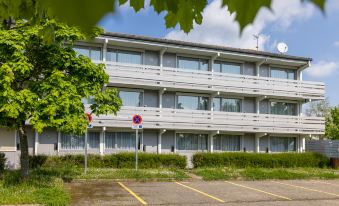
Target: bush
point(119, 160)
point(2, 162)
point(37, 161)
point(243, 160)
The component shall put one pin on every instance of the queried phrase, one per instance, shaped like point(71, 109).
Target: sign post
point(137, 124)
point(89, 120)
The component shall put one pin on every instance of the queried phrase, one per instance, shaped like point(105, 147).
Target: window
point(131, 98)
point(93, 53)
point(282, 73)
point(72, 142)
point(93, 140)
point(192, 102)
point(225, 142)
point(226, 104)
point(227, 67)
point(283, 108)
point(130, 57)
point(187, 141)
point(283, 144)
point(89, 100)
point(126, 140)
point(110, 140)
point(193, 63)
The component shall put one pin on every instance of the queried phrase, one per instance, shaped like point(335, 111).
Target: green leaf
point(245, 10)
point(319, 3)
point(137, 4)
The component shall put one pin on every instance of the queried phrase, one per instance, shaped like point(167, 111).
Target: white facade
point(196, 97)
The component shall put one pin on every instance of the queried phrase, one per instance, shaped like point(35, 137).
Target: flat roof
point(205, 46)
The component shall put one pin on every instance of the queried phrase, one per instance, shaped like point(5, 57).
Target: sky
point(304, 28)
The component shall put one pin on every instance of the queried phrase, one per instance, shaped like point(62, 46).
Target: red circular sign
point(137, 119)
point(88, 117)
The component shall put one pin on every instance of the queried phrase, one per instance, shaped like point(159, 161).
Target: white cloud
point(219, 26)
point(322, 69)
point(336, 43)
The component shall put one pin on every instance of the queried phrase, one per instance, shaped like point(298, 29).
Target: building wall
point(264, 107)
point(169, 60)
point(249, 142)
point(7, 140)
point(48, 140)
point(167, 141)
point(151, 98)
point(152, 58)
point(248, 105)
point(263, 143)
point(168, 100)
point(150, 141)
point(249, 69)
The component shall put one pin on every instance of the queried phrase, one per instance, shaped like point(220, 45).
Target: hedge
point(243, 160)
point(2, 162)
point(120, 160)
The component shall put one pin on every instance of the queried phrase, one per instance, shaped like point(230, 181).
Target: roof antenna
point(257, 38)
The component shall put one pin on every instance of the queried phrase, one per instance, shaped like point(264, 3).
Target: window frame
point(228, 61)
point(177, 94)
point(90, 48)
point(126, 49)
point(191, 133)
point(227, 97)
point(133, 90)
point(200, 58)
point(285, 68)
point(283, 101)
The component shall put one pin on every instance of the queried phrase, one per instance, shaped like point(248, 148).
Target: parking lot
point(294, 192)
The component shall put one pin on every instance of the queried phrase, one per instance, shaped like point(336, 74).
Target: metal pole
point(136, 149)
point(86, 152)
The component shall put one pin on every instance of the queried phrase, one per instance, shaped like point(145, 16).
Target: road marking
point(324, 182)
point(133, 194)
point(306, 188)
point(251, 188)
point(203, 193)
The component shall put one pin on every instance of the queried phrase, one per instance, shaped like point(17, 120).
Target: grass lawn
point(46, 185)
point(265, 173)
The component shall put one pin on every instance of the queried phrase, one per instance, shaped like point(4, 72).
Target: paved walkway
point(289, 193)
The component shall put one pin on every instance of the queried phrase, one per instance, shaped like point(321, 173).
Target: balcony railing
point(164, 77)
point(177, 119)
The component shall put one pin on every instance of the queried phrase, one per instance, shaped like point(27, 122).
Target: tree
point(42, 83)
point(182, 12)
point(332, 124)
point(320, 108)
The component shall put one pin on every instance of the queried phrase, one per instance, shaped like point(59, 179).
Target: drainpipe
point(214, 57)
point(258, 64)
point(161, 132)
point(299, 71)
point(161, 55)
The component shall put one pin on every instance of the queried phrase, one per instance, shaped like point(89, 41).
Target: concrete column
point(257, 105)
point(59, 141)
point(300, 108)
point(269, 144)
point(257, 144)
point(102, 141)
point(175, 142)
point(36, 142)
point(104, 50)
point(211, 142)
point(161, 132)
point(303, 144)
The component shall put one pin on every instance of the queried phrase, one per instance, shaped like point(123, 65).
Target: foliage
point(320, 108)
point(332, 124)
point(182, 12)
point(44, 83)
point(2, 162)
point(39, 189)
point(243, 160)
point(250, 173)
point(120, 160)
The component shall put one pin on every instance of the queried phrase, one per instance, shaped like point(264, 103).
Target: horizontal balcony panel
point(180, 78)
point(163, 118)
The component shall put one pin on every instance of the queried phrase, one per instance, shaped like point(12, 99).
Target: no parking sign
point(137, 121)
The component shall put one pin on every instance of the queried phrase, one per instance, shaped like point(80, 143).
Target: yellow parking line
point(306, 188)
point(133, 194)
point(251, 188)
point(325, 182)
point(203, 193)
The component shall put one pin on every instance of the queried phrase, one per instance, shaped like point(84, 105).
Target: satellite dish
point(282, 47)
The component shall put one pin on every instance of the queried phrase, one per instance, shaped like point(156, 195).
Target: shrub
point(243, 160)
point(119, 160)
point(2, 162)
point(37, 161)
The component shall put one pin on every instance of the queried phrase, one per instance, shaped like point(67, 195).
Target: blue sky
point(306, 30)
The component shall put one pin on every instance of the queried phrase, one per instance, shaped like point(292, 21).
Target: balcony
point(210, 82)
point(176, 119)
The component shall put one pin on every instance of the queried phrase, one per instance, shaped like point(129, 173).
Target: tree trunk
point(24, 157)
